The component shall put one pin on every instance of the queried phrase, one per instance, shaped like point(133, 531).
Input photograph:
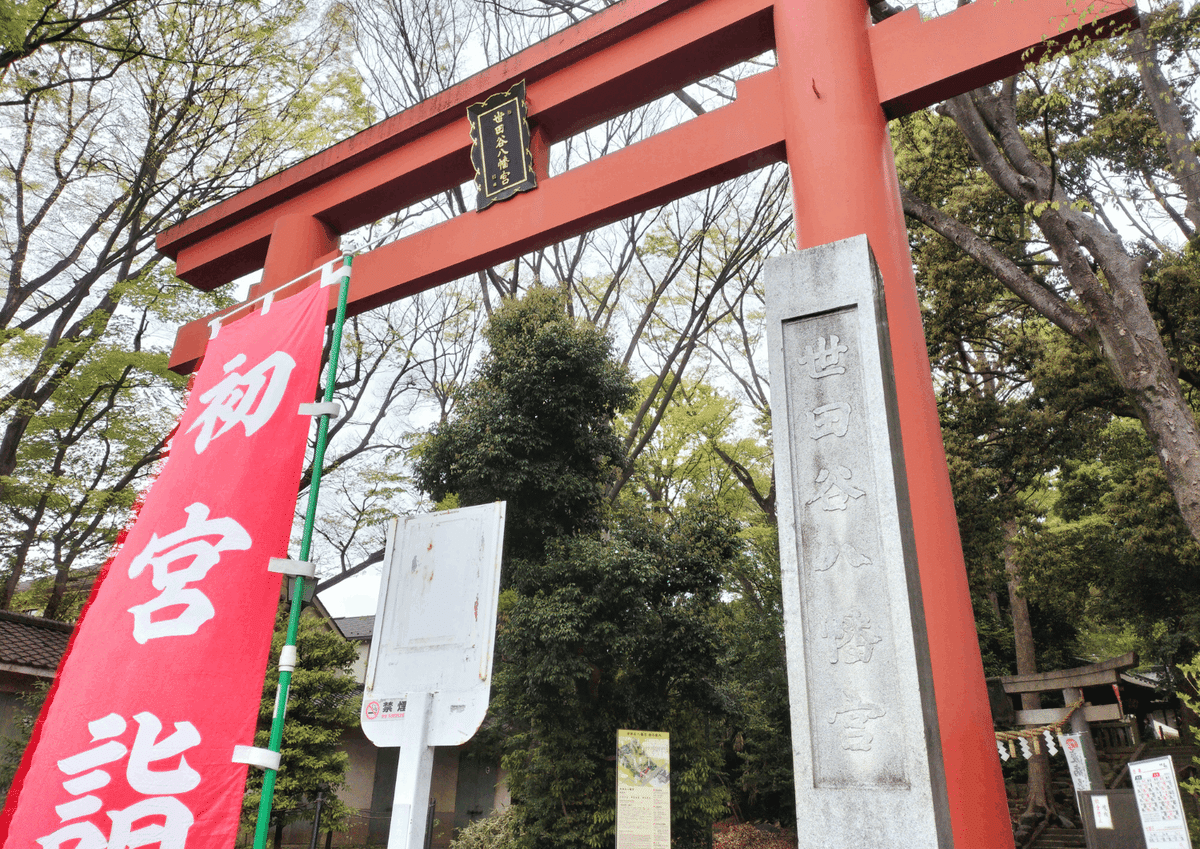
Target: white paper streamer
point(1050, 747)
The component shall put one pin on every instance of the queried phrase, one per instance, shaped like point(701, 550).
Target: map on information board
point(643, 790)
point(643, 759)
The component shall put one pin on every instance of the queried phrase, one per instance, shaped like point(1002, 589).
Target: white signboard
point(1073, 750)
point(430, 667)
point(1101, 812)
point(435, 624)
point(1159, 804)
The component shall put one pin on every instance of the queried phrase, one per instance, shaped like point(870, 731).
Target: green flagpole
point(285, 675)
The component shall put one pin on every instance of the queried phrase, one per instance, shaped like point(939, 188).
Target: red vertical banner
point(164, 674)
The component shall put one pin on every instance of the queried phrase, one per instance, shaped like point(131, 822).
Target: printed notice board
point(1159, 804)
point(643, 790)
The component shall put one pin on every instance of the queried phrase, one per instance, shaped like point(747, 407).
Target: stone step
point(1060, 838)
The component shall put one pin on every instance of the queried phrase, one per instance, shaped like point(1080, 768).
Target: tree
point(94, 166)
point(1066, 151)
point(1016, 402)
point(535, 427)
point(108, 29)
point(14, 743)
point(703, 452)
point(82, 460)
point(603, 634)
point(758, 744)
point(323, 703)
point(608, 619)
point(1115, 551)
point(1047, 181)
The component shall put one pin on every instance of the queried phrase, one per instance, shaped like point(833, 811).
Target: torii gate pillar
point(298, 242)
point(844, 183)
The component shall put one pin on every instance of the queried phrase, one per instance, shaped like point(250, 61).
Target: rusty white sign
point(435, 625)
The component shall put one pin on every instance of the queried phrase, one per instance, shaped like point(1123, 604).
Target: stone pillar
point(844, 184)
point(1079, 725)
point(867, 751)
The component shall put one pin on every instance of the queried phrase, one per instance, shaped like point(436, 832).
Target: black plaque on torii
point(500, 147)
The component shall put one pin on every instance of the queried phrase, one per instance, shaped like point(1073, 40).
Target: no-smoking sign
point(372, 711)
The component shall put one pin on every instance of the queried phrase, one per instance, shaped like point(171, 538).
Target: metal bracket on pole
point(332, 409)
point(284, 566)
point(288, 656)
point(254, 756)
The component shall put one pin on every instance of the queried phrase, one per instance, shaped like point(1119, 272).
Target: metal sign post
point(430, 667)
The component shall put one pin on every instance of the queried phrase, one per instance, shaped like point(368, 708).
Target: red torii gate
point(823, 109)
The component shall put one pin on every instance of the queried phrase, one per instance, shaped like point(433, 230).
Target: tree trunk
point(1038, 795)
point(61, 576)
point(1110, 314)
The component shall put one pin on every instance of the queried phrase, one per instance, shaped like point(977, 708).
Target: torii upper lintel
point(621, 58)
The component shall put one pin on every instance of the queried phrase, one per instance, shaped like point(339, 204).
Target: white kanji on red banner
point(187, 604)
point(172, 819)
point(249, 400)
point(192, 543)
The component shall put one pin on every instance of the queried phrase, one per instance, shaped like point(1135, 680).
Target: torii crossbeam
point(823, 109)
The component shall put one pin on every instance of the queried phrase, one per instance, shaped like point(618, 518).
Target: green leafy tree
point(535, 427)
point(108, 29)
point(609, 634)
point(13, 745)
point(758, 742)
point(1016, 401)
point(701, 451)
point(1116, 549)
point(97, 154)
point(609, 618)
point(1080, 193)
point(82, 461)
point(323, 703)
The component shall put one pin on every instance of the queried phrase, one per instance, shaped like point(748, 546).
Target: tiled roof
point(356, 627)
point(32, 641)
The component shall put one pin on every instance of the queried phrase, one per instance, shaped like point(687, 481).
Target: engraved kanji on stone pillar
point(864, 724)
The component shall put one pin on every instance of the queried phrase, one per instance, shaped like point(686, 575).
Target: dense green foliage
point(535, 427)
point(1061, 445)
point(117, 120)
point(323, 703)
point(609, 620)
point(495, 831)
point(12, 746)
point(608, 634)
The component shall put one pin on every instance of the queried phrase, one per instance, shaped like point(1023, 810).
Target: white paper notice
point(1159, 804)
point(1101, 812)
point(1073, 749)
point(643, 790)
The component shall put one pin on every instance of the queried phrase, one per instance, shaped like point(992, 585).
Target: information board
point(1159, 804)
point(643, 790)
